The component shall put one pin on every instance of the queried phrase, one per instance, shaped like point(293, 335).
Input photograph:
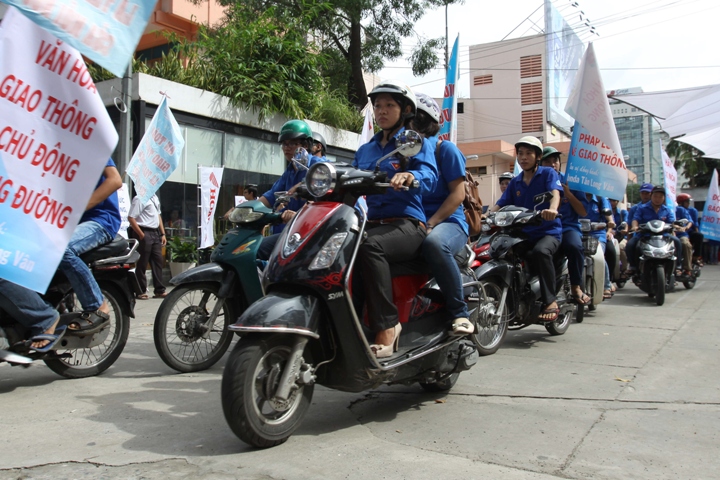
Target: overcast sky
point(641, 43)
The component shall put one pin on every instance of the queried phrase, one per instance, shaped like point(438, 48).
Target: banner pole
point(199, 210)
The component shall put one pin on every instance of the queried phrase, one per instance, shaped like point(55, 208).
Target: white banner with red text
point(710, 222)
point(210, 179)
point(55, 140)
point(670, 174)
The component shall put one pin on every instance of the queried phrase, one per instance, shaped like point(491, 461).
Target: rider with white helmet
point(447, 228)
point(520, 192)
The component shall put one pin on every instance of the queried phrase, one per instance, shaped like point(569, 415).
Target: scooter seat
point(116, 247)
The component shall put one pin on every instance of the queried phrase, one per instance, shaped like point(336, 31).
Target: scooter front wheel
point(250, 380)
point(185, 337)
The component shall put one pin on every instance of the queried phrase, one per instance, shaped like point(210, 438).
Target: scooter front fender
point(493, 268)
point(281, 312)
point(209, 272)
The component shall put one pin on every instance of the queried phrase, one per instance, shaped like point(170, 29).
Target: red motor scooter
point(309, 327)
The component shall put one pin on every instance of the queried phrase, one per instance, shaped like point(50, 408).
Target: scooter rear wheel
point(249, 383)
point(659, 285)
point(88, 362)
point(181, 336)
point(490, 331)
point(441, 386)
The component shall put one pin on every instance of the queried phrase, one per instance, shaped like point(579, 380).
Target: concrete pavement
point(632, 392)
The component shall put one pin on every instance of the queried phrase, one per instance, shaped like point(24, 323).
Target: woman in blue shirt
point(396, 219)
point(446, 225)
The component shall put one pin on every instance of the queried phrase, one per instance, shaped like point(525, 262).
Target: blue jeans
point(572, 247)
point(608, 282)
point(27, 307)
point(439, 248)
point(87, 235)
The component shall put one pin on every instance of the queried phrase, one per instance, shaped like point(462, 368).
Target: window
point(532, 121)
point(460, 108)
point(531, 93)
point(531, 66)
point(482, 80)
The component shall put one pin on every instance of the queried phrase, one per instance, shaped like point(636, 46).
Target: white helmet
point(396, 89)
point(428, 105)
point(533, 142)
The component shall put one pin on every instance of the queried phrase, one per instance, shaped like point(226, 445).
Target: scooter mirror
point(408, 143)
point(542, 198)
point(301, 158)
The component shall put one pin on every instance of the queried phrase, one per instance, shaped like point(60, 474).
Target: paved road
point(633, 392)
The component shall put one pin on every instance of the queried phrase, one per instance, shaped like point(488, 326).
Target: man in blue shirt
point(682, 233)
point(294, 134)
point(696, 238)
point(98, 226)
point(655, 209)
point(319, 146)
point(521, 190)
point(620, 216)
point(645, 190)
point(571, 244)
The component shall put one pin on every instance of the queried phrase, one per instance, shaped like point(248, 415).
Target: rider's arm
point(112, 182)
point(451, 203)
point(423, 169)
point(574, 202)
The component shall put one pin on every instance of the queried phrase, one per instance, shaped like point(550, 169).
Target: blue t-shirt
point(107, 212)
point(593, 212)
point(451, 167)
point(290, 177)
point(694, 218)
point(519, 194)
point(620, 216)
point(400, 203)
point(633, 209)
point(682, 213)
point(646, 212)
point(570, 217)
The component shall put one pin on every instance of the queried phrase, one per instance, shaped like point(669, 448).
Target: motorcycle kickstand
point(292, 369)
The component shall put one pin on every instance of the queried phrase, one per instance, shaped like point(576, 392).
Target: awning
point(690, 115)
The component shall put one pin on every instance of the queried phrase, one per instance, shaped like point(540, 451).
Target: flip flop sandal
point(584, 300)
point(89, 322)
point(555, 312)
point(143, 296)
point(160, 295)
point(607, 294)
point(51, 338)
point(462, 326)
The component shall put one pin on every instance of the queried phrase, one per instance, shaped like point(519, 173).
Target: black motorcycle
point(88, 353)
point(656, 273)
point(310, 328)
point(513, 290)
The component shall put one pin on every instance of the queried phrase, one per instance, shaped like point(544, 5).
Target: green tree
point(256, 61)
point(359, 35)
point(633, 193)
point(688, 159)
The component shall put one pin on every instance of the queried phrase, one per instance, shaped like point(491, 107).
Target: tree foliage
point(359, 35)
point(692, 162)
point(258, 62)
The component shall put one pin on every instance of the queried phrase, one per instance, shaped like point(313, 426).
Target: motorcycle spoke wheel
point(249, 383)
point(184, 339)
point(88, 362)
point(490, 331)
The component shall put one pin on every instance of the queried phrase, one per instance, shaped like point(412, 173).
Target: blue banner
point(448, 127)
point(710, 222)
point(105, 31)
point(593, 167)
point(158, 154)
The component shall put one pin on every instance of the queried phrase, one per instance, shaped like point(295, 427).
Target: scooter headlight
point(503, 219)
point(327, 254)
point(320, 179)
point(244, 215)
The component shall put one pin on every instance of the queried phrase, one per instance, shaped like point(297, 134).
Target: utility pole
point(124, 142)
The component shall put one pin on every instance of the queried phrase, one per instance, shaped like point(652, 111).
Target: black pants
point(266, 246)
point(610, 258)
point(150, 250)
point(540, 257)
point(696, 238)
point(398, 241)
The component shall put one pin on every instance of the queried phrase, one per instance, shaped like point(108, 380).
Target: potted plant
point(182, 254)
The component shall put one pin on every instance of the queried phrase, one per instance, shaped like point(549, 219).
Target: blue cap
point(646, 187)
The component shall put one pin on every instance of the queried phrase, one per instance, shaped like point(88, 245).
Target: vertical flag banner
point(124, 206)
point(448, 125)
point(595, 162)
point(55, 140)
point(210, 179)
point(367, 132)
point(670, 178)
point(710, 223)
point(106, 32)
point(158, 153)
